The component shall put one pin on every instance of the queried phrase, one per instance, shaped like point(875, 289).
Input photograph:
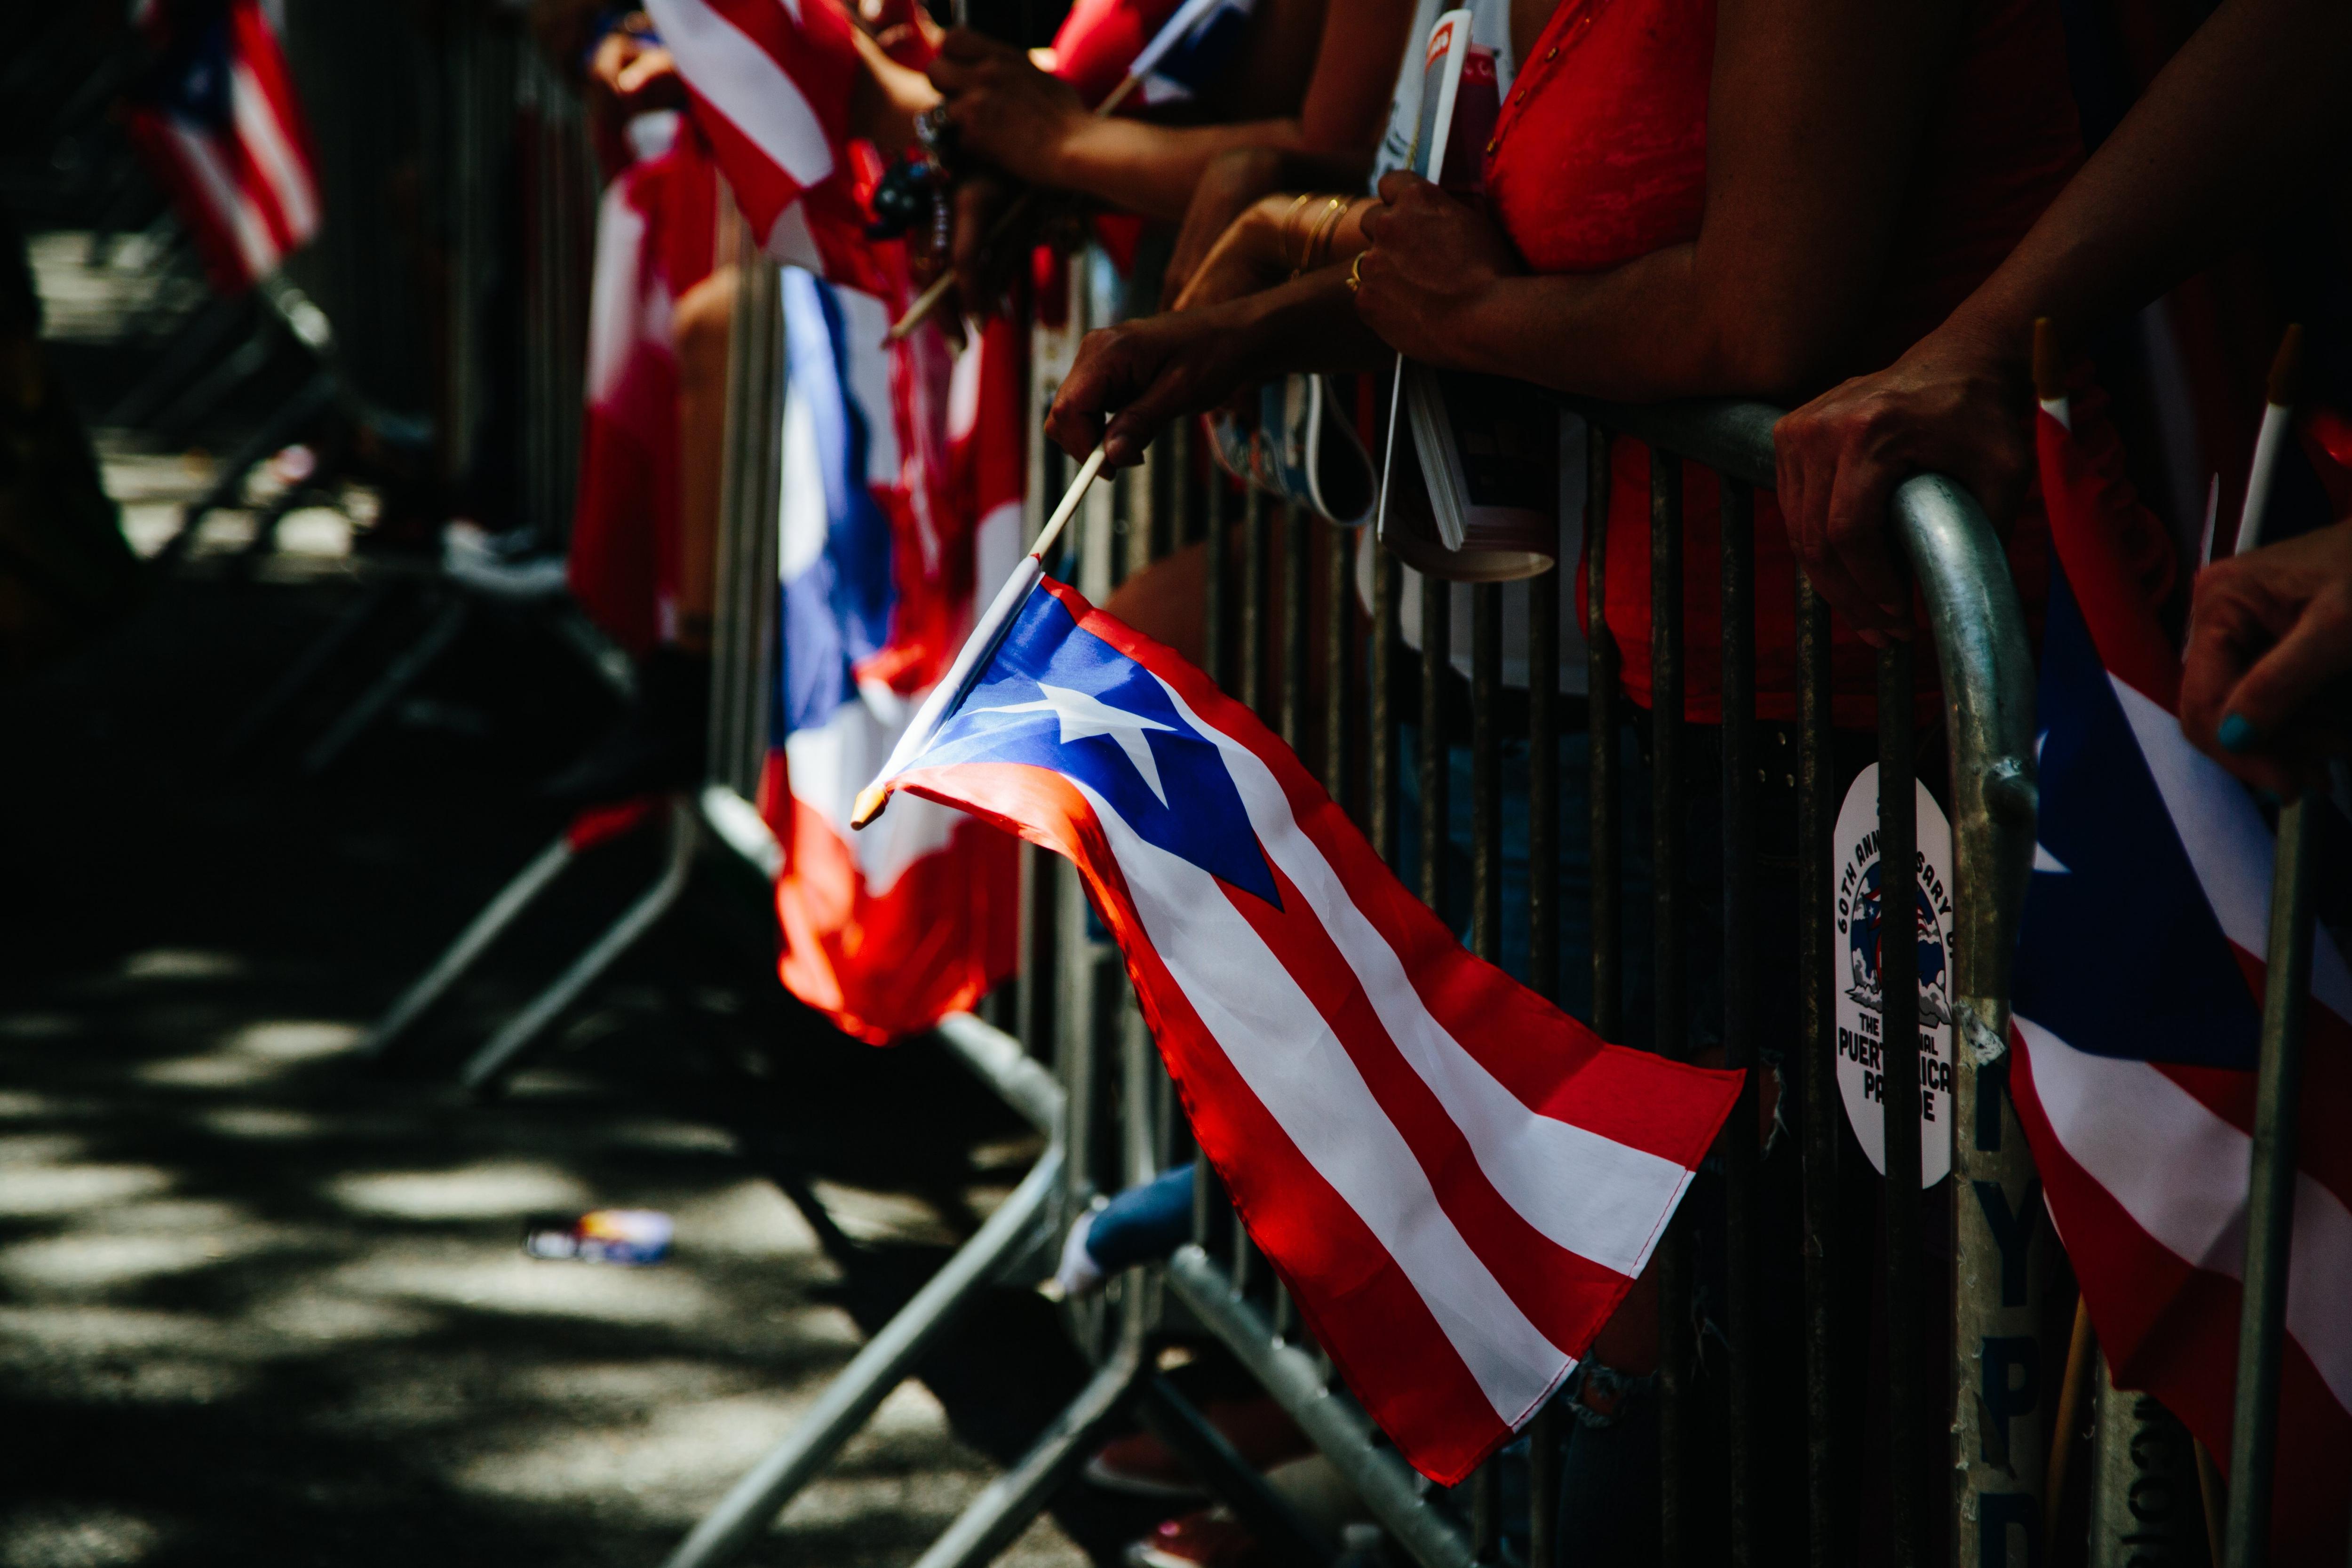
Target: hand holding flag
point(1179, 59)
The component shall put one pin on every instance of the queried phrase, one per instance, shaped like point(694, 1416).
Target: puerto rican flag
point(885, 931)
point(770, 82)
point(1458, 1181)
point(2138, 1000)
point(218, 120)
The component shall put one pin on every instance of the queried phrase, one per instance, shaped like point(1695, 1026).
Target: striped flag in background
point(217, 122)
point(770, 81)
point(1458, 1181)
point(2138, 1002)
point(887, 932)
point(655, 229)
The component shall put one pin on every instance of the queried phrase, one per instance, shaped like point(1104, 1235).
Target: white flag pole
point(2278, 416)
point(986, 635)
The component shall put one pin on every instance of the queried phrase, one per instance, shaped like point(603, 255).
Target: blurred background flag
point(770, 85)
point(216, 120)
point(1186, 54)
point(887, 932)
point(1458, 1181)
point(654, 240)
point(2138, 1004)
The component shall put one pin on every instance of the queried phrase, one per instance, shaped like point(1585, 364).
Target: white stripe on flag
point(227, 201)
point(748, 84)
point(258, 126)
point(613, 291)
point(1598, 1198)
point(2180, 1172)
point(2227, 845)
point(1287, 1054)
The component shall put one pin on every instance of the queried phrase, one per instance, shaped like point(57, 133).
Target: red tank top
point(1599, 157)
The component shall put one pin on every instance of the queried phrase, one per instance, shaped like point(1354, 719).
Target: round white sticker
point(1855, 897)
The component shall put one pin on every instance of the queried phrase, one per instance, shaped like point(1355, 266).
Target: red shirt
point(1599, 157)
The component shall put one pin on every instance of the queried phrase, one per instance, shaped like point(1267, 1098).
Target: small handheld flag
point(979, 646)
point(1458, 1181)
point(2142, 956)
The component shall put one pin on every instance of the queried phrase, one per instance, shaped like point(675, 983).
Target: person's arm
point(1815, 114)
point(1815, 111)
point(1033, 126)
point(887, 97)
point(1234, 184)
point(2263, 688)
point(2235, 126)
point(1162, 367)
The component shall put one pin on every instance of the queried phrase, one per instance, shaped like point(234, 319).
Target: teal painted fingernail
point(2236, 733)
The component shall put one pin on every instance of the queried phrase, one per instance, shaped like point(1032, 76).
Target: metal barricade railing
point(1261, 645)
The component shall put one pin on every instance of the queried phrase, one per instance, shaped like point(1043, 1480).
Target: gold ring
point(1356, 272)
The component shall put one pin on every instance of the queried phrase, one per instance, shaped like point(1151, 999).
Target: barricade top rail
point(1981, 647)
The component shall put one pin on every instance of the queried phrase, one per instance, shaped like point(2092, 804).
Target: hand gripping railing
point(1987, 685)
point(1981, 645)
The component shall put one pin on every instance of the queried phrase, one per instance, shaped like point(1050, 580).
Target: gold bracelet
point(1283, 231)
point(1327, 229)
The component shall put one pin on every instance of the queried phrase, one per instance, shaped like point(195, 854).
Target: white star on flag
point(2042, 859)
point(1085, 716)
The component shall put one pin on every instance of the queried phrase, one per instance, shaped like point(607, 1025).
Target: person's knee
point(700, 327)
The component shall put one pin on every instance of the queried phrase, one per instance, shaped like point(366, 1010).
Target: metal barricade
point(1336, 696)
point(1717, 1434)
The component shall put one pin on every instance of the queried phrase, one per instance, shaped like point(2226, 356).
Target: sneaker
point(660, 744)
point(1142, 1465)
point(1209, 1539)
point(511, 565)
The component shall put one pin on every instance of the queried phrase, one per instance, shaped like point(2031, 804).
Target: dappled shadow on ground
point(261, 1304)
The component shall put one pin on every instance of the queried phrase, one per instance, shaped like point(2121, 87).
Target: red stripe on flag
point(1564, 1295)
point(2084, 532)
point(1359, 1302)
point(1551, 1060)
point(2171, 1330)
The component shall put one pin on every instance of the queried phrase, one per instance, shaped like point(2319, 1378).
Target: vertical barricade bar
point(1215, 614)
point(1826, 1475)
point(1295, 640)
point(1682, 1503)
point(2270, 1191)
point(1251, 686)
point(1339, 644)
point(747, 516)
point(2000, 1371)
point(1605, 784)
point(1432, 765)
point(1382, 778)
point(1543, 969)
point(1487, 906)
point(1908, 1401)
point(1742, 1319)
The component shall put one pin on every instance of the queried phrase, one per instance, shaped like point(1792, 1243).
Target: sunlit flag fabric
point(655, 233)
point(885, 931)
point(769, 84)
point(216, 120)
point(2138, 986)
point(1458, 1181)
